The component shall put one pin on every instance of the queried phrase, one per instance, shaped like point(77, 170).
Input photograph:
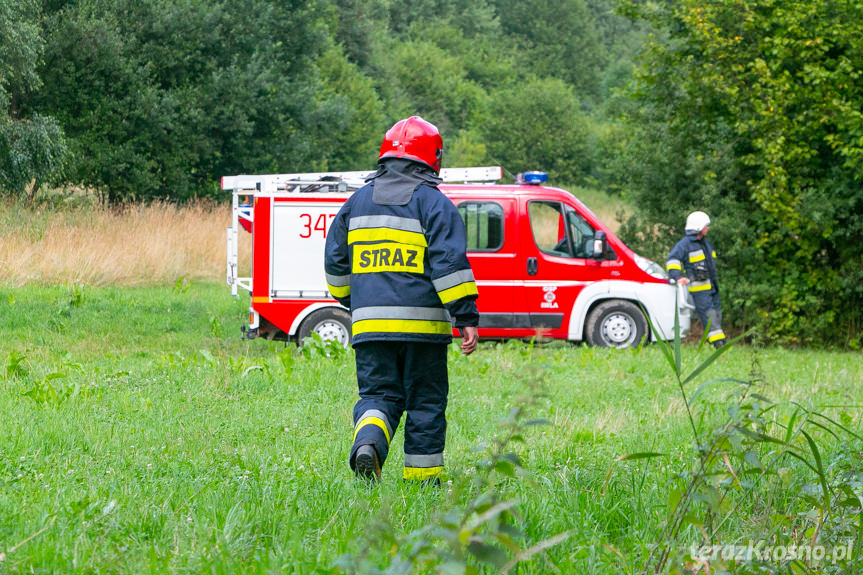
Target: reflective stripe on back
point(401, 326)
point(400, 312)
point(386, 235)
point(392, 222)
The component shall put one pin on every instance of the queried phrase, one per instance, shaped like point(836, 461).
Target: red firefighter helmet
point(415, 139)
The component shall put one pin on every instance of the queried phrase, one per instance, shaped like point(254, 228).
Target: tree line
point(159, 98)
point(747, 110)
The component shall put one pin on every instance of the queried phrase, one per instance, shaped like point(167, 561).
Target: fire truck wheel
point(330, 323)
point(615, 323)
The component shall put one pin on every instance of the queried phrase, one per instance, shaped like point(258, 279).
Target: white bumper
point(658, 299)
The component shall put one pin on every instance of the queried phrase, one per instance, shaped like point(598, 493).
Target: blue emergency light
point(531, 178)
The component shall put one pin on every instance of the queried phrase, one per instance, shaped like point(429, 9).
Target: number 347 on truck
point(544, 264)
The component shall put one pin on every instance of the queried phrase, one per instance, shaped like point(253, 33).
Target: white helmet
point(697, 221)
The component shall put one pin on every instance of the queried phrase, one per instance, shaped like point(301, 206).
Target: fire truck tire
point(331, 323)
point(615, 323)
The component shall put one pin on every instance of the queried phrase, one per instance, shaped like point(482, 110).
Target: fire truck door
point(493, 253)
point(557, 262)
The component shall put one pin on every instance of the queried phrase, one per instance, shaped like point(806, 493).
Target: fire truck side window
point(582, 234)
point(483, 222)
point(559, 230)
point(549, 231)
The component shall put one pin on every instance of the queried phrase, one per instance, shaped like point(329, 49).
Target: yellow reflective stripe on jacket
point(453, 279)
point(372, 421)
point(386, 235)
point(673, 266)
point(713, 254)
point(699, 286)
point(459, 291)
point(339, 291)
point(421, 473)
point(401, 326)
point(696, 256)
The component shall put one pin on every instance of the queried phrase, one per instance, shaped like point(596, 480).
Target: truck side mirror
point(601, 250)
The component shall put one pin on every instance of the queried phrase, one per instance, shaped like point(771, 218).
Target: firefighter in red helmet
point(414, 139)
point(396, 256)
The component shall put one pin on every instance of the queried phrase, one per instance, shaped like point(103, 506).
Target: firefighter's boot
point(367, 465)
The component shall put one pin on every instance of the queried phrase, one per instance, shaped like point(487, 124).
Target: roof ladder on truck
point(251, 187)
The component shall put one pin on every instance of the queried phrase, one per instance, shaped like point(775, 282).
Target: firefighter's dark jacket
point(402, 269)
point(696, 258)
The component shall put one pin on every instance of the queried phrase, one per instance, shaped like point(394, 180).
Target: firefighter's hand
point(470, 337)
point(683, 281)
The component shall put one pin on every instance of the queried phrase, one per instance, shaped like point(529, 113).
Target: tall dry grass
point(133, 244)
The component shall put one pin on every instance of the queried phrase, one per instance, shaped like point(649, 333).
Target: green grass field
point(141, 435)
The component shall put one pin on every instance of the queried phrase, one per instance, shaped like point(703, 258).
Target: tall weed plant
point(741, 475)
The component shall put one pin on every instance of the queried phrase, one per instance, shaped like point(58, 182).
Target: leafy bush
point(538, 125)
point(751, 113)
point(32, 146)
point(31, 152)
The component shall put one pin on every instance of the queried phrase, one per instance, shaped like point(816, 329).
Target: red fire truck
point(544, 263)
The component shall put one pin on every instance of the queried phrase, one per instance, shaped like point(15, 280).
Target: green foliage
point(315, 347)
point(481, 531)
point(156, 99)
point(16, 365)
point(20, 49)
point(357, 143)
point(176, 451)
point(751, 112)
point(539, 125)
point(559, 38)
point(741, 458)
point(32, 151)
point(32, 146)
point(434, 83)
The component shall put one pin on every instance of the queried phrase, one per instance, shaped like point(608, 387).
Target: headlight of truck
point(651, 267)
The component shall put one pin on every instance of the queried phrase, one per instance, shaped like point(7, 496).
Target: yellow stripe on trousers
point(421, 473)
point(372, 421)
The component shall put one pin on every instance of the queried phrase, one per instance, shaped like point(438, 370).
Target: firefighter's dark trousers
point(399, 376)
point(709, 310)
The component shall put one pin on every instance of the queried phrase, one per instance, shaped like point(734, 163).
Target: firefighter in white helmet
point(692, 262)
